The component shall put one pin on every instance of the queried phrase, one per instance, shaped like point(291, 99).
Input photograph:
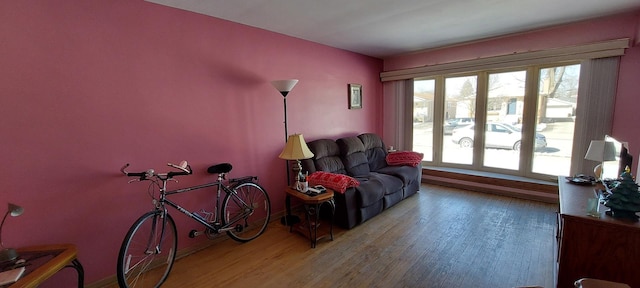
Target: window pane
point(505, 105)
point(423, 91)
point(459, 115)
point(555, 118)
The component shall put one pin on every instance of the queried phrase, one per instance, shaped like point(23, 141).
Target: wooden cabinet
point(603, 248)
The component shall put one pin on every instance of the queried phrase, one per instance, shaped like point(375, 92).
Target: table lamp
point(601, 151)
point(9, 254)
point(296, 149)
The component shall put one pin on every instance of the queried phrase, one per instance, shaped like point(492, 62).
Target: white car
point(497, 135)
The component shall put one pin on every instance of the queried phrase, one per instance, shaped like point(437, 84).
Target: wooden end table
point(312, 205)
point(45, 261)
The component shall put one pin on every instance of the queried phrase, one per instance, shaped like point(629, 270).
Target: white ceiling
point(382, 28)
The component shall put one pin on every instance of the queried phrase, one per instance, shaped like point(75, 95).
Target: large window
point(423, 96)
point(459, 112)
point(513, 121)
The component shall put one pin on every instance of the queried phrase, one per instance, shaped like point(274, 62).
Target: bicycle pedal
point(195, 233)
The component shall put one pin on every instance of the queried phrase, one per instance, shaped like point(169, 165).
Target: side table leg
point(333, 214)
point(309, 211)
point(288, 219)
point(315, 225)
point(75, 264)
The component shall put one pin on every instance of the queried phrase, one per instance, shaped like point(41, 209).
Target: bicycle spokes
point(249, 207)
point(148, 251)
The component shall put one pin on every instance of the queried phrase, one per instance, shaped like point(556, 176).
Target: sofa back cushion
point(353, 157)
point(375, 150)
point(326, 157)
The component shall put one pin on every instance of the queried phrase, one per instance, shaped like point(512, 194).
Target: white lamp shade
point(284, 86)
point(600, 150)
point(296, 149)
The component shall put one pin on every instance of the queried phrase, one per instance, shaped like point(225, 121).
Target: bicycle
point(151, 242)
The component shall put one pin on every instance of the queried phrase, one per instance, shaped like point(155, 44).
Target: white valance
point(573, 53)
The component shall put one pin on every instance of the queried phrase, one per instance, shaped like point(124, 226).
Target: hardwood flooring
point(441, 237)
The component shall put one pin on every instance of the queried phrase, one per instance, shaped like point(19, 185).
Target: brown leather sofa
point(364, 158)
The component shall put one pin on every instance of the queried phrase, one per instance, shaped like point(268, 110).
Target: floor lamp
point(284, 87)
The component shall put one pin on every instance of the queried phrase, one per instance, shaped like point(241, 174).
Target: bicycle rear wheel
point(249, 208)
point(148, 251)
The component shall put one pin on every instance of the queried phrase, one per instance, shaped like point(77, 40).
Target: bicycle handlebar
point(184, 168)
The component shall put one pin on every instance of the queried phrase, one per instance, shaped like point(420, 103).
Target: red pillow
point(408, 158)
point(333, 181)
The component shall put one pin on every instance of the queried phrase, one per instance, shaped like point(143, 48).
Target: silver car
point(497, 135)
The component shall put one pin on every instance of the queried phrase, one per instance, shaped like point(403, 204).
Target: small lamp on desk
point(9, 254)
point(296, 149)
point(601, 151)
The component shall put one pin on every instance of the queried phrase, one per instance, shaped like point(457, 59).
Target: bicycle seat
point(220, 168)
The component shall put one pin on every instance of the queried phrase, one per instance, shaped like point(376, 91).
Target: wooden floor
point(441, 237)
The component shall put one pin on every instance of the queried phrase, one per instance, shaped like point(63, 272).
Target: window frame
point(529, 115)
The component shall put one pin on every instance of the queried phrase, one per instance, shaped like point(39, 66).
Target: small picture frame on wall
point(355, 96)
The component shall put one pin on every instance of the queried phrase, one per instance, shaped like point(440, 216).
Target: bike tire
point(252, 219)
point(147, 254)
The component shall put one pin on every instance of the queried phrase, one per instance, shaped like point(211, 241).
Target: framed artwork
point(355, 96)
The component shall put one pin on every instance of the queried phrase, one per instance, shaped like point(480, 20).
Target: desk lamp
point(601, 151)
point(9, 254)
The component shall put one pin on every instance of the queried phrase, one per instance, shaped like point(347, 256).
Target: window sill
point(494, 183)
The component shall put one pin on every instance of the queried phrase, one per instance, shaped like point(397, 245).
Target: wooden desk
point(45, 261)
point(602, 248)
point(312, 206)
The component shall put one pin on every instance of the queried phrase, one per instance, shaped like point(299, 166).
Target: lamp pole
point(284, 87)
point(286, 133)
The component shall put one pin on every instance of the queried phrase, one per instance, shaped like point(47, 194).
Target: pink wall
point(87, 86)
point(626, 118)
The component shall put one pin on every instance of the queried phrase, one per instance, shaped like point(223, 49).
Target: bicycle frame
point(215, 224)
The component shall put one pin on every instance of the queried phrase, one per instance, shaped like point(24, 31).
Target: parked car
point(455, 123)
point(497, 135)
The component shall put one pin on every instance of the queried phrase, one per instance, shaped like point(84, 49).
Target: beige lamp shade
point(600, 150)
point(295, 149)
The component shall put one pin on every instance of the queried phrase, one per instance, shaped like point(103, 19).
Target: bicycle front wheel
point(248, 209)
point(148, 251)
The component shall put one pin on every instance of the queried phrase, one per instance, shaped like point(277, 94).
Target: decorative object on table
point(581, 179)
point(624, 200)
point(600, 151)
point(11, 276)
point(315, 190)
point(9, 254)
point(355, 96)
point(593, 204)
point(302, 185)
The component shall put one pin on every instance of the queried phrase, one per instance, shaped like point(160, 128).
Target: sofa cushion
point(326, 157)
point(369, 192)
point(407, 174)
point(375, 150)
point(390, 183)
point(333, 181)
point(407, 158)
point(353, 157)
